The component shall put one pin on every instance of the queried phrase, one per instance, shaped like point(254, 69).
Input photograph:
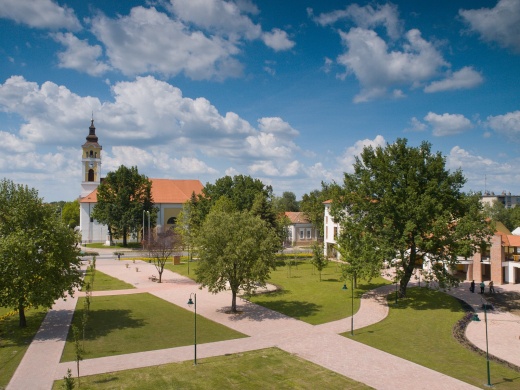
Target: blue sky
point(285, 91)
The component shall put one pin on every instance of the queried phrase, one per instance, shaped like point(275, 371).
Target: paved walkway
point(320, 344)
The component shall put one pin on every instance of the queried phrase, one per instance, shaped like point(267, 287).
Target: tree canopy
point(286, 202)
point(235, 248)
point(121, 199)
point(39, 260)
point(510, 217)
point(402, 203)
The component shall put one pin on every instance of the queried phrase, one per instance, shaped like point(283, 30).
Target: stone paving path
point(320, 344)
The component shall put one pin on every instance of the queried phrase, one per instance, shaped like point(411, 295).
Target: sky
point(288, 92)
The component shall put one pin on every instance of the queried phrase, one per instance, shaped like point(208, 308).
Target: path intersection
point(320, 344)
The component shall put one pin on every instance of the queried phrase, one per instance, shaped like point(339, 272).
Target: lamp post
point(149, 231)
point(352, 317)
point(194, 302)
point(475, 318)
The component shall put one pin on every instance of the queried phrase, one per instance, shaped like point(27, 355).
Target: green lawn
point(121, 324)
point(301, 295)
point(419, 329)
point(104, 282)
point(262, 369)
point(14, 341)
point(304, 297)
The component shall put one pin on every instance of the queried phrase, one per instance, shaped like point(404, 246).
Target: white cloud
point(79, 55)
point(277, 40)
point(347, 160)
point(222, 17)
point(11, 143)
point(500, 24)
point(377, 68)
point(507, 124)
point(40, 14)
point(366, 17)
point(447, 124)
point(465, 78)
point(481, 172)
point(49, 111)
point(277, 126)
point(149, 41)
point(416, 125)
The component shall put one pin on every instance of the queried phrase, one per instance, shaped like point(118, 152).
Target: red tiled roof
point(296, 217)
point(513, 240)
point(163, 191)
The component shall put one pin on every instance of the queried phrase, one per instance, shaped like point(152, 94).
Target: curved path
point(320, 344)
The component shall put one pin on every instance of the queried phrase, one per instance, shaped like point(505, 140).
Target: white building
point(331, 231)
point(168, 195)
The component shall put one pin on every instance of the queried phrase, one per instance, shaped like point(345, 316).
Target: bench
point(153, 278)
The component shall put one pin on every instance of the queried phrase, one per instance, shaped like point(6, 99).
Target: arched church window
point(172, 221)
point(90, 175)
point(91, 153)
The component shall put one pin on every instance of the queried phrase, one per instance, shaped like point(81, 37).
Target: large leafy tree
point(240, 193)
point(236, 248)
point(39, 260)
point(402, 203)
point(286, 202)
point(121, 199)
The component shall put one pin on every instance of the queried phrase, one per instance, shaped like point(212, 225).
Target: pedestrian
point(482, 287)
point(472, 286)
point(491, 287)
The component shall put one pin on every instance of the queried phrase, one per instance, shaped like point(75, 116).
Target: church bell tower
point(91, 162)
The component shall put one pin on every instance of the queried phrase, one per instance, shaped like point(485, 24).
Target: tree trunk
point(408, 271)
point(233, 301)
point(124, 237)
point(21, 314)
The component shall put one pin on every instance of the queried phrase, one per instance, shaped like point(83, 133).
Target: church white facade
point(168, 195)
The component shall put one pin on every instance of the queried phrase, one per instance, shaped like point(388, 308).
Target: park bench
point(153, 278)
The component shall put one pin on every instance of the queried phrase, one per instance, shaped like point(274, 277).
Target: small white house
point(300, 231)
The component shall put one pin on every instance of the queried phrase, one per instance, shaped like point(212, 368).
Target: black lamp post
point(191, 302)
point(475, 318)
point(352, 317)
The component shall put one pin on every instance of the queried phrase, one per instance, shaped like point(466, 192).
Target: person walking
point(491, 287)
point(482, 287)
point(472, 286)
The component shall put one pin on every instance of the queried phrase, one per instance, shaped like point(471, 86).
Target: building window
point(301, 234)
point(309, 235)
point(90, 175)
point(335, 232)
point(326, 232)
point(171, 221)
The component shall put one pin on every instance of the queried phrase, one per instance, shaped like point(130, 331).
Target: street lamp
point(352, 317)
point(475, 318)
point(194, 302)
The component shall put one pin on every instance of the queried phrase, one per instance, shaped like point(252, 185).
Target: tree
point(312, 204)
point(241, 193)
point(499, 213)
point(235, 248)
point(401, 203)
point(318, 258)
point(161, 248)
point(70, 214)
point(121, 199)
point(287, 202)
point(39, 260)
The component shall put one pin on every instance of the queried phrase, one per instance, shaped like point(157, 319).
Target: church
point(168, 195)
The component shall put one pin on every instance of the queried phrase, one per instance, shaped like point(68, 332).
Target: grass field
point(301, 295)
point(121, 324)
point(419, 329)
point(262, 369)
point(104, 282)
point(14, 340)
